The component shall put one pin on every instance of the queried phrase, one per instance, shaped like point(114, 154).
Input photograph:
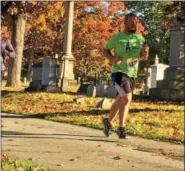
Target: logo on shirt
point(127, 47)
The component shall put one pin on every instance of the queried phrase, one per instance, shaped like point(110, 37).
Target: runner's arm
point(144, 52)
point(111, 57)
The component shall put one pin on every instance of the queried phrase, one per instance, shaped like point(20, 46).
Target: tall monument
point(172, 87)
point(67, 60)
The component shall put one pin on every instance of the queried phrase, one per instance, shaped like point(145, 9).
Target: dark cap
point(130, 15)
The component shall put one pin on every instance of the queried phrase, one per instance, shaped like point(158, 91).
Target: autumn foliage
point(94, 24)
point(44, 24)
point(92, 28)
point(44, 29)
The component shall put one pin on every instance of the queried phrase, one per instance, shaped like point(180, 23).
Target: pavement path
point(68, 147)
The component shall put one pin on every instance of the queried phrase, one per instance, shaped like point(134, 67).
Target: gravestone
point(79, 100)
point(154, 74)
point(82, 89)
point(147, 82)
point(100, 90)
point(45, 76)
point(104, 104)
point(91, 91)
point(172, 87)
point(111, 92)
point(157, 72)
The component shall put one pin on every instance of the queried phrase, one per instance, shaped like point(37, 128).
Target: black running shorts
point(124, 81)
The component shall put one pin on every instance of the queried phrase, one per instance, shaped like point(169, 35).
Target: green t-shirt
point(129, 47)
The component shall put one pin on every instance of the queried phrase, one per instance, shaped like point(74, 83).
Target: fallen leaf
point(60, 165)
point(117, 158)
point(98, 145)
point(10, 139)
point(4, 155)
point(73, 159)
point(122, 145)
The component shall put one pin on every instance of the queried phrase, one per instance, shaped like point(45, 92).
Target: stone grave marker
point(100, 90)
point(111, 92)
point(172, 87)
point(45, 76)
point(104, 104)
point(91, 91)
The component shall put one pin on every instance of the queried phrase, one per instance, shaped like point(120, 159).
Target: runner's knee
point(126, 99)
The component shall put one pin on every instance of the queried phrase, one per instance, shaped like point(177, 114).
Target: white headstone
point(156, 73)
point(156, 59)
point(104, 104)
point(49, 71)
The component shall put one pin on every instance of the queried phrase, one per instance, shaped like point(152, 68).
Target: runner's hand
point(145, 48)
point(144, 52)
point(117, 60)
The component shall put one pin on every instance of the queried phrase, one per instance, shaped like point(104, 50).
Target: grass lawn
point(10, 164)
point(160, 120)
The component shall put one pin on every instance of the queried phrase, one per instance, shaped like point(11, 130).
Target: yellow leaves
point(55, 11)
point(41, 22)
point(50, 13)
point(13, 10)
point(41, 19)
point(168, 131)
point(58, 5)
point(18, 165)
point(178, 133)
point(149, 119)
point(94, 53)
point(46, 20)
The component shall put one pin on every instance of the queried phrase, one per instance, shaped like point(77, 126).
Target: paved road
point(68, 147)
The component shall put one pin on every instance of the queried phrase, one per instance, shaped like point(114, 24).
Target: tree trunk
point(14, 69)
point(29, 56)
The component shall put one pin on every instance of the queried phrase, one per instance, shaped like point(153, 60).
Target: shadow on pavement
point(12, 134)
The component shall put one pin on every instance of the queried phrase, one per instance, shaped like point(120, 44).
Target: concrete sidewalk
point(68, 147)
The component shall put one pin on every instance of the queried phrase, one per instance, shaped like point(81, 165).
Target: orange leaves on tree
point(92, 28)
point(47, 26)
point(41, 22)
point(27, 28)
point(141, 29)
point(45, 22)
point(115, 7)
point(58, 5)
point(101, 26)
point(5, 32)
